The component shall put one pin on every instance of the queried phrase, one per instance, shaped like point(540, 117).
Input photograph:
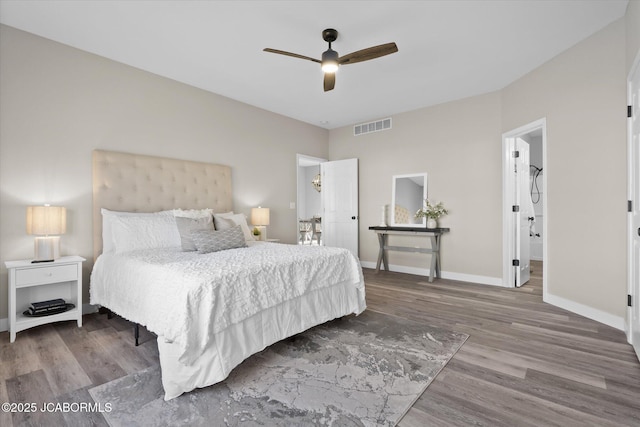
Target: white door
point(634, 211)
point(340, 204)
point(521, 209)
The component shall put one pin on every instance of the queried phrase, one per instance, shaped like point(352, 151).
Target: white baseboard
point(586, 311)
point(86, 309)
point(462, 277)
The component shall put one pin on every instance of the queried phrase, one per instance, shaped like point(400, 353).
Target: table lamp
point(47, 223)
point(260, 218)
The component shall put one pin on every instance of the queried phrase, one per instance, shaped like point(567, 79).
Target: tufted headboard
point(139, 183)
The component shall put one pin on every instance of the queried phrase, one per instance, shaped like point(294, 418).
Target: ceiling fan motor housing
point(330, 35)
point(329, 55)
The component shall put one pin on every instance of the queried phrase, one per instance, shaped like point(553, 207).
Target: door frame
point(507, 202)
point(632, 190)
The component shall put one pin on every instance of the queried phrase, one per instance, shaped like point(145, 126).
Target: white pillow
point(132, 233)
point(107, 220)
point(193, 213)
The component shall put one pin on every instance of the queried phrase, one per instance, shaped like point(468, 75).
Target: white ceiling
point(447, 49)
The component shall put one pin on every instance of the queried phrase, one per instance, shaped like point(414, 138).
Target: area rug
point(355, 371)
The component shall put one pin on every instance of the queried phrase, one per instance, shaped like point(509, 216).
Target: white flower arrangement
point(432, 210)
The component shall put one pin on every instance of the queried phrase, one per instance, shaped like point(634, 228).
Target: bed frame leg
point(136, 333)
point(103, 310)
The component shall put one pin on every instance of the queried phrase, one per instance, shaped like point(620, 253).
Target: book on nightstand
point(49, 306)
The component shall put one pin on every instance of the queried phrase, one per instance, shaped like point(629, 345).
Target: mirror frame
point(392, 215)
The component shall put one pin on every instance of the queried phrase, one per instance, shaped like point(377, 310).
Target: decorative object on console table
point(383, 216)
point(47, 222)
point(260, 218)
point(432, 211)
point(60, 280)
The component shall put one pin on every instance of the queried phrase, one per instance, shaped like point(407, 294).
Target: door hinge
point(628, 300)
point(515, 263)
point(629, 111)
point(629, 206)
point(515, 154)
point(515, 208)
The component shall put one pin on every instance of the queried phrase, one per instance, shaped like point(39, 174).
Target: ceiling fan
point(330, 59)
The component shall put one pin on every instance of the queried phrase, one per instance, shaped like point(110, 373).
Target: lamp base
point(47, 248)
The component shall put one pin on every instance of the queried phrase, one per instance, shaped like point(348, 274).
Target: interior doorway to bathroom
point(524, 227)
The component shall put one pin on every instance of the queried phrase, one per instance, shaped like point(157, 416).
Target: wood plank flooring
point(526, 363)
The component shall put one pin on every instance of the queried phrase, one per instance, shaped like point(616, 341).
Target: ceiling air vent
point(363, 128)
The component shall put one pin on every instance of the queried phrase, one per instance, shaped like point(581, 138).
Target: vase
point(383, 216)
point(432, 223)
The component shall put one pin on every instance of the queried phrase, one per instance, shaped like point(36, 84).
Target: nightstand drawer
point(52, 274)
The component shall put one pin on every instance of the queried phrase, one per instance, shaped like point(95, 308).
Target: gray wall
point(59, 103)
point(581, 93)
point(458, 144)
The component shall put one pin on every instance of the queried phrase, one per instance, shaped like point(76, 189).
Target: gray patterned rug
point(356, 371)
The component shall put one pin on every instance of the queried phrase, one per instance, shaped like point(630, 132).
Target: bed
point(209, 309)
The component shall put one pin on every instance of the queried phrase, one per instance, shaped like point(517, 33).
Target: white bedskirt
point(237, 342)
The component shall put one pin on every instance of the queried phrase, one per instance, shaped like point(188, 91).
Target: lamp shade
point(46, 220)
point(260, 216)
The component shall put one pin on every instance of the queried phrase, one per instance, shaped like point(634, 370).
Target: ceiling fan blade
point(295, 55)
point(329, 81)
point(369, 53)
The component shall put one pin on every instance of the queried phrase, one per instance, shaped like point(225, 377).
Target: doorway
point(327, 203)
point(309, 202)
point(524, 227)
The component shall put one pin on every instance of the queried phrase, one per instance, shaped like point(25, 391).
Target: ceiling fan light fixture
point(330, 61)
point(330, 67)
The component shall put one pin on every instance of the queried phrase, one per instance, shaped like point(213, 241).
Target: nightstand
point(32, 282)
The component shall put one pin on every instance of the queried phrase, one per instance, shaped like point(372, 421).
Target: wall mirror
point(408, 195)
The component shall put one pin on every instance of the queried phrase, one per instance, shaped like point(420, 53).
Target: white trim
point(586, 311)
point(630, 192)
point(86, 309)
point(507, 279)
point(462, 277)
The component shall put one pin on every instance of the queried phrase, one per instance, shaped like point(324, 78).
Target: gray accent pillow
point(213, 241)
point(187, 225)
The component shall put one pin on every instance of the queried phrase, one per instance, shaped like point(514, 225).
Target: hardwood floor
point(526, 363)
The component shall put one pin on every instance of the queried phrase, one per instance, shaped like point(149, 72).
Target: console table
point(433, 233)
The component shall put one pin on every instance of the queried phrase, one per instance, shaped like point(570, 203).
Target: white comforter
point(186, 297)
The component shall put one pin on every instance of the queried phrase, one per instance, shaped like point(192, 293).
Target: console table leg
point(381, 253)
point(434, 270)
